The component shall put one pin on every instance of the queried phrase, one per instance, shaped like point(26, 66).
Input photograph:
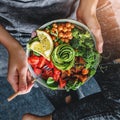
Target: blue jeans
point(34, 102)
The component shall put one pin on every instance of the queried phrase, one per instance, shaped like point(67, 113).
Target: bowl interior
point(76, 23)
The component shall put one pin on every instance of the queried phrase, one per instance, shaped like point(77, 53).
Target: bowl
point(85, 51)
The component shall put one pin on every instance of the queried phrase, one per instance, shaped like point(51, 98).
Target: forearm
point(7, 40)
point(87, 8)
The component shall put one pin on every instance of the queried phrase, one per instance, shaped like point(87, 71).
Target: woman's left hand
point(86, 13)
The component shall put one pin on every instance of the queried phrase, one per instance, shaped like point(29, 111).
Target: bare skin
point(33, 117)
point(18, 75)
point(88, 17)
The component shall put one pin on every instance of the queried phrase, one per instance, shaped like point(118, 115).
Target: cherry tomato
point(37, 71)
point(56, 74)
point(33, 60)
point(62, 83)
point(50, 64)
point(41, 62)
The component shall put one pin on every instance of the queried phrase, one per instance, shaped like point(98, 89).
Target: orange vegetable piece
point(85, 71)
point(81, 60)
point(83, 78)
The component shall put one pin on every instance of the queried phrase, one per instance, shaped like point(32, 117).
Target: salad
point(63, 54)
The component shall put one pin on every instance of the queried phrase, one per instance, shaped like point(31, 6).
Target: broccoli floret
point(74, 43)
point(75, 33)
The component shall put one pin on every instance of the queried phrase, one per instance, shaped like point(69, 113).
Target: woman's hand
point(86, 13)
point(18, 75)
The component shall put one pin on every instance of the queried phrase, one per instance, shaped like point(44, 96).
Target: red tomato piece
point(49, 73)
point(45, 74)
point(50, 64)
point(56, 75)
point(37, 71)
point(42, 62)
point(62, 83)
point(33, 60)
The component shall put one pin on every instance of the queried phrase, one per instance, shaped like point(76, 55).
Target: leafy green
point(52, 84)
point(50, 80)
point(49, 27)
point(75, 33)
point(33, 39)
point(84, 46)
point(74, 43)
point(73, 85)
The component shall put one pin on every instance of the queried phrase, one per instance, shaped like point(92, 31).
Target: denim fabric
point(34, 102)
point(40, 101)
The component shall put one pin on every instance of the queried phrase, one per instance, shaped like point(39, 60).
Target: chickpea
point(54, 30)
point(63, 40)
point(53, 37)
point(65, 29)
point(60, 28)
point(64, 35)
point(72, 26)
point(66, 40)
point(60, 34)
point(68, 25)
point(69, 29)
point(68, 34)
point(55, 25)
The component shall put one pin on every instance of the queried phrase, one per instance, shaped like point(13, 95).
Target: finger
point(94, 26)
point(30, 85)
point(99, 41)
point(14, 85)
point(29, 81)
point(29, 77)
point(22, 79)
point(13, 79)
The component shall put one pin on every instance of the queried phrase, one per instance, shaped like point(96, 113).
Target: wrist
point(15, 47)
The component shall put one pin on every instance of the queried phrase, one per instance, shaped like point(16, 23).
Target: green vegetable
point(75, 33)
point(63, 57)
point(51, 84)
point(50, 80)
point(35, 53)
point(74, 43)
point(73, 85)
point(33, 39)
point(84, 46)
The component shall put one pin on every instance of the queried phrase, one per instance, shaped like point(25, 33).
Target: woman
point(23, 17)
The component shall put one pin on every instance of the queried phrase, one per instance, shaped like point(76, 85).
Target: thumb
point(99, 40)
point(22, 80)
point(12, 78)
point(95, 28)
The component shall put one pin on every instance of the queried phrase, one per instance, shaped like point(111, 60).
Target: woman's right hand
point(18, 74)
